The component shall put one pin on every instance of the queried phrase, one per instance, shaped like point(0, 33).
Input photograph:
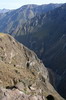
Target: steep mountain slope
point(11, 21)
point(22, 74)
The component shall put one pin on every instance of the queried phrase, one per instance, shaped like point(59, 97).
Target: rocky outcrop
point(22, 75)
point(18, 95)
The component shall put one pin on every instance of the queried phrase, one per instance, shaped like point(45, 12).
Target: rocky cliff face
point(22, 75)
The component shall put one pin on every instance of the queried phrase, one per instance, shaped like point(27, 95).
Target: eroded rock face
point(22, 74)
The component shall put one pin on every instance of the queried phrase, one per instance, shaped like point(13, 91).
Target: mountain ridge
point(18, 17)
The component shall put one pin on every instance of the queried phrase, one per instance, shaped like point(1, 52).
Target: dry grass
point(10, 75)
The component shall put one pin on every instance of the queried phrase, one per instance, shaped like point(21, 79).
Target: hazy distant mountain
point(13, 20)
point(4, 10)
